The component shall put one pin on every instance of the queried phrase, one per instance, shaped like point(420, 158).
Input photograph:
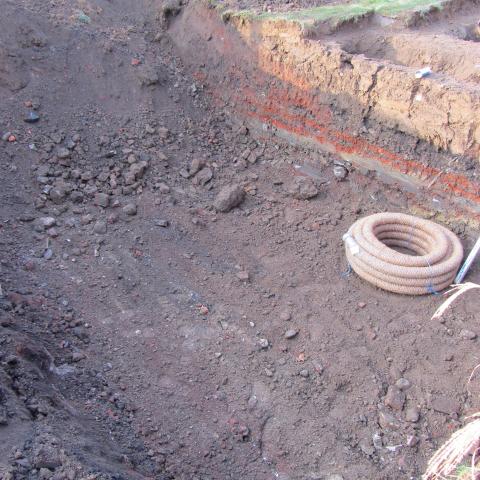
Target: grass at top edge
point(344, 12)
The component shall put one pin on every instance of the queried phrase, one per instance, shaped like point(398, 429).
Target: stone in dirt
point(395, 398)
point(76, 197)
point(203, 176)
point(162, 223)
point(412, 414)
point(46, 456)
point(468, 335)
point(57, 195)
point(446, 405)
point(196, 165)
point(303, 188)
point(163, 188)
point(63, 153)
point(229, 197)
point(31, 117)
point(46, 222)
point(102, 200)
point(100, 227)
point(387, 421)
point(403, 384)
point(291, 333)
point(130, 209)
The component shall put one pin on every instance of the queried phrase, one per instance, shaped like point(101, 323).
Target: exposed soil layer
point(323, 89)
point(149, 328)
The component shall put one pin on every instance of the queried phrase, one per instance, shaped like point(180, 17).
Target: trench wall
point(371, 113)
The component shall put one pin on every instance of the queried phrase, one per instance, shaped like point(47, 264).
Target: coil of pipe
point(372, 247)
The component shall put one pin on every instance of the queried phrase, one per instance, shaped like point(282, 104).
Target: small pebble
point(291, 333)
point(468, 335)
point(403, 384)
point(130, 209)
point(32, 117)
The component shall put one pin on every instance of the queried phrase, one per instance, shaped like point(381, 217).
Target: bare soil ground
point(143, 334)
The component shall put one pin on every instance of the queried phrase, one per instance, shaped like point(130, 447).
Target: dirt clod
point(303, 188)
point(229, 197)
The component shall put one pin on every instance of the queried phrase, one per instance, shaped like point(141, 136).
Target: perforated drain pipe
point(437, 253)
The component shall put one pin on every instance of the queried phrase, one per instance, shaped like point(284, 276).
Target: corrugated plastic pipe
point(436, 253)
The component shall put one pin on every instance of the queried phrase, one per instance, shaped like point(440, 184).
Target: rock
point(137, 170)
point(63, 153)
point(468, 335)
point(129, 178)
point(340, 172)
point(48, 254)
point(112, 218)
point(46, 456)
point(196, 165)
point(446, 405)
point(57, 195)
point(163, 132)
point(377, 441)
point(147, 76)
point(184, 173)
point(162, 223)
point(303, 188)
point(163, 188)
point(44, 223)
point(130, 209)
point(403, 384)
point(100, 227)
point(412, 414)
point(229, 197)
point(80, 332)
point(395, 398)
point(366, 447)
point(412, 440)
point(203, 176)
point(304, 373)
point(102, 200)
point(285, 316)
point(31, 117)
point(291, 333)
point(86, 219)
point(387, 421)
point(77, 356)
point(264, 343)
point(252, 402)
point(26, 217)
point(76, 197)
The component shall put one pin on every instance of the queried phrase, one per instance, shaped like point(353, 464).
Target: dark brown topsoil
point(145, 335)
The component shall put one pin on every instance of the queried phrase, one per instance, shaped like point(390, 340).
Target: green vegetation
point(342, 12)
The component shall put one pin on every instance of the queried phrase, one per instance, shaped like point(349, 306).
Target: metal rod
point(468, 262)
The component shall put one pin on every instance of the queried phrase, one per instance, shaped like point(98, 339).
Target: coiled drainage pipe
point(436, 253)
